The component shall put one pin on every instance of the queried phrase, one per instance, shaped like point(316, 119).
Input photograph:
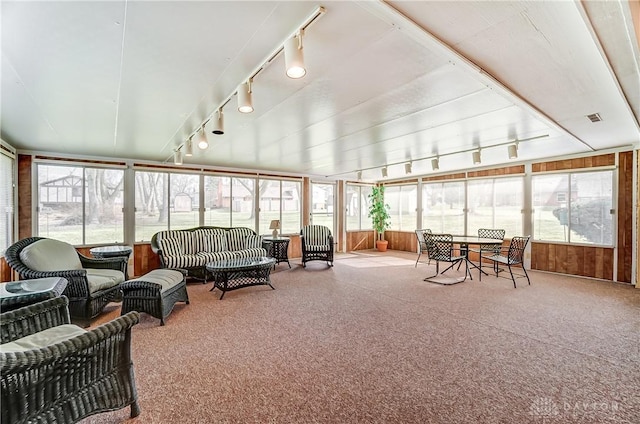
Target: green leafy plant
point(379, 211)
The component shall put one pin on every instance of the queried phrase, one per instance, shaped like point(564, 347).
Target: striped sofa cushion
point(184, 261)
point(184, 238)
point(171, 246)
point(253, 252)
point(215, 256)
point(316, 236)
point(201, 238)
point(253, 241)
point(236, 238)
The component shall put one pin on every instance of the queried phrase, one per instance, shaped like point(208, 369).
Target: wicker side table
point(277, 248)
point(16, 294)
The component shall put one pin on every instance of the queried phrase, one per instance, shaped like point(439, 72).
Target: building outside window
point(80, 205)
point(574, 207)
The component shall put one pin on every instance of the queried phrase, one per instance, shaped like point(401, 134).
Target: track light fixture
point(293, 56)
point(177, 157)
point(245, 103)
point(384, 172)
point(294, 60)
point(435, 164)
point(188, 148)
point(407, 168)
point(476, 157)
point(218, 123)
point(203, 143)
point(513, 151)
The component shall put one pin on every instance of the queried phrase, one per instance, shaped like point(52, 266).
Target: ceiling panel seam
point(405, 24)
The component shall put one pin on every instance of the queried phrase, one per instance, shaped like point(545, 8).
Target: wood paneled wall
point(6, 274)
point(401, 240)
point(360, 240)
point(496, 172)
point(586, 261)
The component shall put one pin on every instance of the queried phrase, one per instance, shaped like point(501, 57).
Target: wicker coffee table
point(232, 274)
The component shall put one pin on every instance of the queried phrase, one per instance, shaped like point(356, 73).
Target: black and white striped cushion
point(316, 235)
point(184, 261)
point(253, 241)
point(171, 246)
point(236, 238)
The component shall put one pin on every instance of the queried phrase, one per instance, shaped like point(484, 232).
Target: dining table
point(466, 241)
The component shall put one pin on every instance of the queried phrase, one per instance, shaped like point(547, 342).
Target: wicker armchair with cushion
point(92, 283)
point(317, 244)
point(56, 372)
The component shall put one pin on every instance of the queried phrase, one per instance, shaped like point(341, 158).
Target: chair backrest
point(492, 233)
point(439, 246)
point(422, 245)
point(516, 249)
point(315, 235)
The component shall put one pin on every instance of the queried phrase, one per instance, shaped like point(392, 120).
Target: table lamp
point(275, 226)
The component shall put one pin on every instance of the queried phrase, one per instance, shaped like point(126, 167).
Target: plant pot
point(381, 245)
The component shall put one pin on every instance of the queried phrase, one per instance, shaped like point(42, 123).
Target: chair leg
point(525, 273)
point(135, 409)
point(419, 253)
point(512, 277)
point(480, 266)
point(436, 274)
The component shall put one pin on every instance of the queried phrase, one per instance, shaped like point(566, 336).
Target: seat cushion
point(256, 252)
point(167, 278)
point(171, 246)
point(50, 255)
point(100, 279)
point(184, 261)
point(318, 248)
point(47, 337)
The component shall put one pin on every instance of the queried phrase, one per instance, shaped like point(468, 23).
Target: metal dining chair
point(422, 245)
point(440, 248)
point(510, 256)
point(492, 233)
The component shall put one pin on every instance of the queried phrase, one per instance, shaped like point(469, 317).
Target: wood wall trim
point(496, 172)
point(25, 162)
point(576, 163)
point(625, 217)
point(6, 273)
point(360, 240)
point(457, 176)
point(585, 261)
point(401, 240)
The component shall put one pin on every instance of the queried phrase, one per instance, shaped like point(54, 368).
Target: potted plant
point(379, 214)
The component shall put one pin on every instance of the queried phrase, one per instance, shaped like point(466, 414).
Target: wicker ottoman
point(154, 293)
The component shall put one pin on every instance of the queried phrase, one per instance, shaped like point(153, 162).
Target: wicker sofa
point(191, 249)
point(55, 372)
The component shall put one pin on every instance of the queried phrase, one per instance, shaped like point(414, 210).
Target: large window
point(80, 205)
point(403, 203)
point(495, 203)
point(7, 163)
point(280, 200)
point(217, 201)
point(322, 200)
point(574, 207)
point(357, 210)
point(443, 207)
point(165, 201)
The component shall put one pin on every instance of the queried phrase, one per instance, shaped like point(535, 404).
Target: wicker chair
point(73, 374)
point(317, 244)
point(86, 301)
point(514, 256)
